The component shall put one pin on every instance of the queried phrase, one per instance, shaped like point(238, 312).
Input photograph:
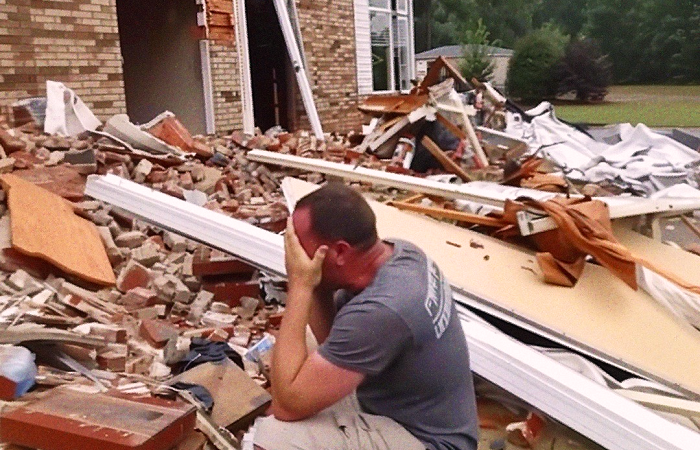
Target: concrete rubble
point(132, 341)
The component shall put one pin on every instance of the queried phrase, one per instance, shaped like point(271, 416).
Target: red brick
point(203, 266)
point(139, 297)
point(157, 332)
point(132, 276)
point(230, 292)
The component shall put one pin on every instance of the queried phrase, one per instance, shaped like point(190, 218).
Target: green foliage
point(507, 20)
point(583, 70)
point(475, 59)
point(655, 41)
point(531, 69)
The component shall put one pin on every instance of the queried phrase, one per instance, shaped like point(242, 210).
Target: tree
point(507, 20)
point(615, 24)
point(569, 15)
point(476, 62)
point(531, 69)
point(584, 70)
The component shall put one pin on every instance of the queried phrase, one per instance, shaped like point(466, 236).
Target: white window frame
point(363, 43)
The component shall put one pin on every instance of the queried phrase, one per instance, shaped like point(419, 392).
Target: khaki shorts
point(342, 426)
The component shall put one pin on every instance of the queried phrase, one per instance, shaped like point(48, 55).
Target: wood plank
point(451, 214)
point(237, 398)
point(444, 160)
point(44, 225)
point(452, 128)
point(601, 315)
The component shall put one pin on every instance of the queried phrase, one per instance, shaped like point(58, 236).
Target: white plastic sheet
point(642, 162)
point(66, 114)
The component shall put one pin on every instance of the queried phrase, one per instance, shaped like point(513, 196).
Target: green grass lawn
point(654, 106)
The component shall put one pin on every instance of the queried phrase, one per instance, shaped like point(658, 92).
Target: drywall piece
point(593, 410)
point(67, 419)
point(476, 191)
point(601, 316)
point(299, 69)
point(44, 225)
point(237, 398)
point(250, 243)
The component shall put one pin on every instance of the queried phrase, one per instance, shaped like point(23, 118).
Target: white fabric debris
point(642, 162)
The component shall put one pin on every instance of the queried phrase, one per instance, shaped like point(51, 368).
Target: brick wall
point(226, 85)
point(328, 32)
point(76, 42)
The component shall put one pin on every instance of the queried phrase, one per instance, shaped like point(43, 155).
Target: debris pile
point(98, 306)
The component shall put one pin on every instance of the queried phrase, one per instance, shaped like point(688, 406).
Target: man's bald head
point(339, 213)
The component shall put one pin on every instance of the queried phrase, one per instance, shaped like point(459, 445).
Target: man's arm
point(303, 385)
point(322, 313)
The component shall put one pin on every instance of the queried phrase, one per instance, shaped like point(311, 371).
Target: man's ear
point(342, 252)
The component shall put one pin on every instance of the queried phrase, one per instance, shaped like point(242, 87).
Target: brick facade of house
point(228, 109)
point(77, 42)
point(328, 32)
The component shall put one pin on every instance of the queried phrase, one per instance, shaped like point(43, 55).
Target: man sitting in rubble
point(390, 333)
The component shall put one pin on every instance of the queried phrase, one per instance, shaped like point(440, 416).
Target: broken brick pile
point(169, 290)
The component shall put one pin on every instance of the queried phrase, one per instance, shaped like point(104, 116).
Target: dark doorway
point(268, 65)
point(162, 61)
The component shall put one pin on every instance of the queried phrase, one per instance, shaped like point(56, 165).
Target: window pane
point(401, 69)
point(402, 6)
point(379, 4)
point(381, 49)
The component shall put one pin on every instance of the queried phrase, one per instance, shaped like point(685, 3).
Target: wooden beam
point(444, 160)
point(451, 214)
point(452, 128)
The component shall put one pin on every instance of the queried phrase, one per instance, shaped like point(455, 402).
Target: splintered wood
point(44, 225)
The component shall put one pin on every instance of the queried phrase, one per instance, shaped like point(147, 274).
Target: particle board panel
point(600, 315)
point(44, 225)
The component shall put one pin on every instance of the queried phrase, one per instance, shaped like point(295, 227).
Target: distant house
point(453, 53)
point(217, 64)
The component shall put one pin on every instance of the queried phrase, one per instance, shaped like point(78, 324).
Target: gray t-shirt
point(403, 333)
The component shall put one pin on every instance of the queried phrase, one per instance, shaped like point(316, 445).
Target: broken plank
point(444, 160)
point(44, 225)
point(451, 214)
point(17, 335)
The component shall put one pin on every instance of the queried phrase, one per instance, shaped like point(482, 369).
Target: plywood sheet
point(44, 225)
point(601, 313)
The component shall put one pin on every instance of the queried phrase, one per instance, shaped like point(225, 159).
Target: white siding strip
point(363, 47)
